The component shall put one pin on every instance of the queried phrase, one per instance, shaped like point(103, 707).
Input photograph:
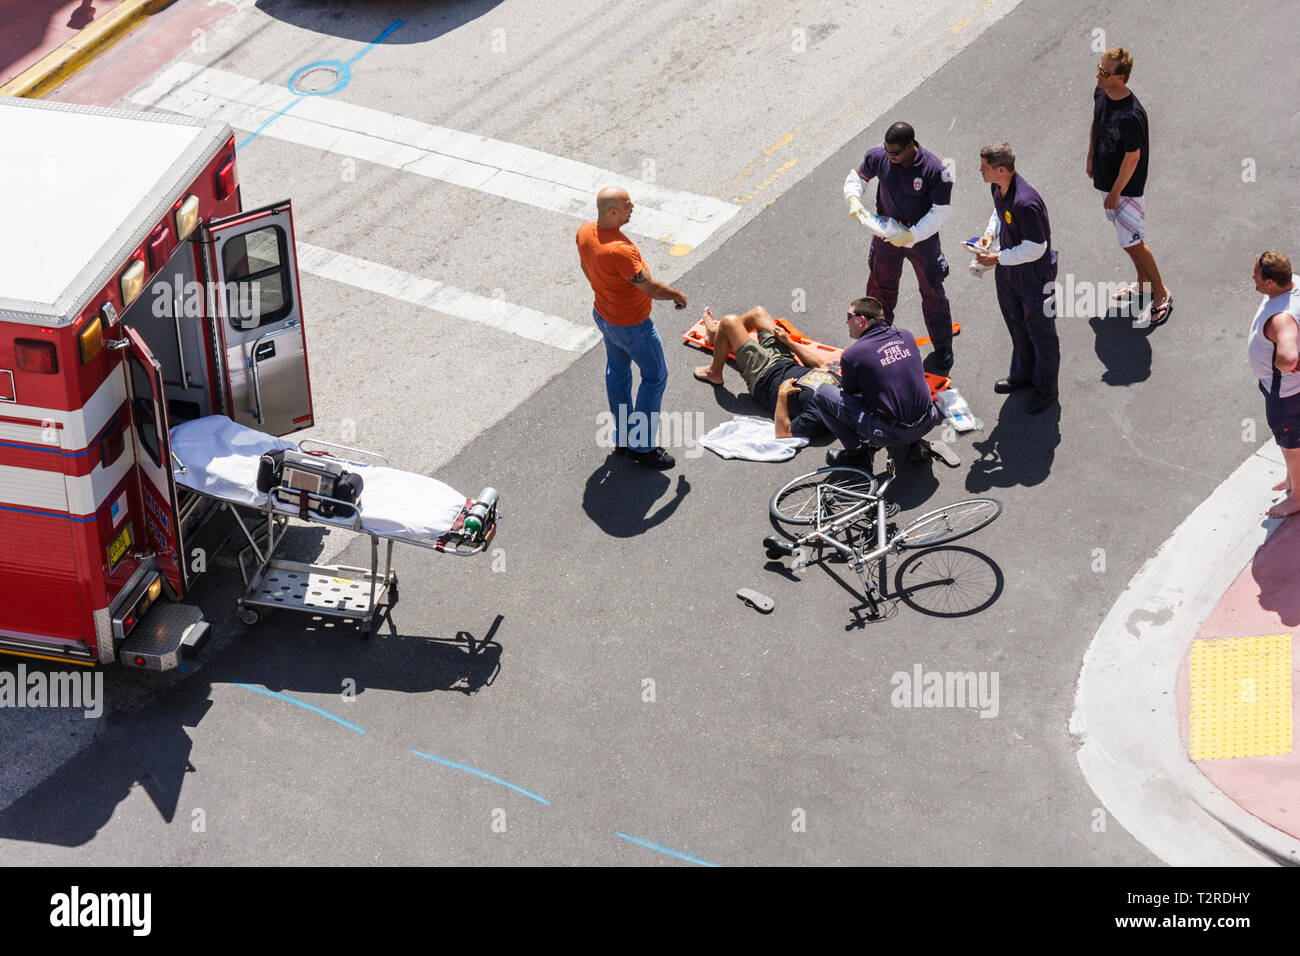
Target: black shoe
point(859, 457)
point(655, 458)
point(943, 359)
point(1005, 386)
point(1041, 402)
point(918, 451)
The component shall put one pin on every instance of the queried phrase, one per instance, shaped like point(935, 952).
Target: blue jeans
point(634, 425)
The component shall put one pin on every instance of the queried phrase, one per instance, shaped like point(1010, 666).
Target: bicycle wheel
point(949, 581)
point(842, 489)
point(948, 524)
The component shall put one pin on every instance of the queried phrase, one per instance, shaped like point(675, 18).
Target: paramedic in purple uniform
point(883, 398)
point(1025, 276)
point(914, 189)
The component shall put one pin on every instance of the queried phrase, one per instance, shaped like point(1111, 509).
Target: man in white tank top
point(1274, 349)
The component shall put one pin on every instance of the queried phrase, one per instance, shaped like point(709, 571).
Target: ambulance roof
point(80, 187)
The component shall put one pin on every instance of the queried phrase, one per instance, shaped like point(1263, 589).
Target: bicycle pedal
point(759, 602)
point(802, 558)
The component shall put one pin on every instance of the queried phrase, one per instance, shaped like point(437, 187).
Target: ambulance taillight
point(34, 356)
point(227, 181)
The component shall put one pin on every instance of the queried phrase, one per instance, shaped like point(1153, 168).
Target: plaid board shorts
point(1129, 219)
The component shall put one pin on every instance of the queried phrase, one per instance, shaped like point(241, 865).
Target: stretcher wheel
point(248, 616)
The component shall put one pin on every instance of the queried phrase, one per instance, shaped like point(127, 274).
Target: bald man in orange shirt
point(624, 293)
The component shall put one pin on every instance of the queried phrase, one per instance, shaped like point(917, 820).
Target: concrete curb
point(1126, 717)
point(56, 66)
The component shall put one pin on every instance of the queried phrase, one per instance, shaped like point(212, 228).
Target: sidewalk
point(1185, 711)
point(29, 29)
point(1237, 694)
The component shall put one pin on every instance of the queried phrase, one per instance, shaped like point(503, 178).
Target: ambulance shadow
point(1122, 347)
point(149, 749)
point(1020, 448)
point(422, 20)
point(620, 493)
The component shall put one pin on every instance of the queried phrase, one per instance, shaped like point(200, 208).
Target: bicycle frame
point(825, 534)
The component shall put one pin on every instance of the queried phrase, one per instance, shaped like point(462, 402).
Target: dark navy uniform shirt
point(906, 193)
point(884, 369)
point(1022, 217)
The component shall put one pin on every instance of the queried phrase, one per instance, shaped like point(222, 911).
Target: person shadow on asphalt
point(619, 495)
point(1122, 347)
point(1018, 451)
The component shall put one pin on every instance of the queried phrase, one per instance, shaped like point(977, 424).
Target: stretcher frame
point(329, 590)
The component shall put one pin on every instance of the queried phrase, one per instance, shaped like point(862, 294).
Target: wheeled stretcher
point(220, 459)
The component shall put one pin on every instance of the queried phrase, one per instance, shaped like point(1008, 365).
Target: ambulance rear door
point(153, 456)
point(258, 319)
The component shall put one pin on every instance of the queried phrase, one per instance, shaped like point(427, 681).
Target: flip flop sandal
point(1126, 293)
point(1160, 313)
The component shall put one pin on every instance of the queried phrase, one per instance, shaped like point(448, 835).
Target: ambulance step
point(167, 633)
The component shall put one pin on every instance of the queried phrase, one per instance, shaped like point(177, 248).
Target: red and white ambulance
point(135, 294)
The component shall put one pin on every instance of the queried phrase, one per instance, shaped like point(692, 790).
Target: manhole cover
point(319, 79)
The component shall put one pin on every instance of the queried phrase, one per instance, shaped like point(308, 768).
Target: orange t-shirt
point(610, 259)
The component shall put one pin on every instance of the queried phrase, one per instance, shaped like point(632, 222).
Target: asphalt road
point(625, 692)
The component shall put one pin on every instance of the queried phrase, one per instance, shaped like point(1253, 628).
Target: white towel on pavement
point(753, 439)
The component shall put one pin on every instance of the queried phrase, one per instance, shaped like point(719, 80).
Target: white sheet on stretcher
point(221, 459)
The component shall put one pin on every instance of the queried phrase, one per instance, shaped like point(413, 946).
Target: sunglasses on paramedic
point(897, 152)
point(1105, 73)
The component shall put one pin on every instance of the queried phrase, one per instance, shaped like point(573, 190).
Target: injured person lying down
point(778, 382)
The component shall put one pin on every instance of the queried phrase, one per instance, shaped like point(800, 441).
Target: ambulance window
point(255, 266)
point(146, 421)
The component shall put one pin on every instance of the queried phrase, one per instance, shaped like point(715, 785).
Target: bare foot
point(704, 373)
point(1283, 485)
point(710, 326)
point(1286, 507)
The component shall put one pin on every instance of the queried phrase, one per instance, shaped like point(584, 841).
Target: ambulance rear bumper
point(166, 635)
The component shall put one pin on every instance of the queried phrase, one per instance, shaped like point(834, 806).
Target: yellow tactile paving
point(1241, 697)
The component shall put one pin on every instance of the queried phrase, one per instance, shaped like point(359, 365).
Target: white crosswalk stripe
point(440, 297)
point(502, 169)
